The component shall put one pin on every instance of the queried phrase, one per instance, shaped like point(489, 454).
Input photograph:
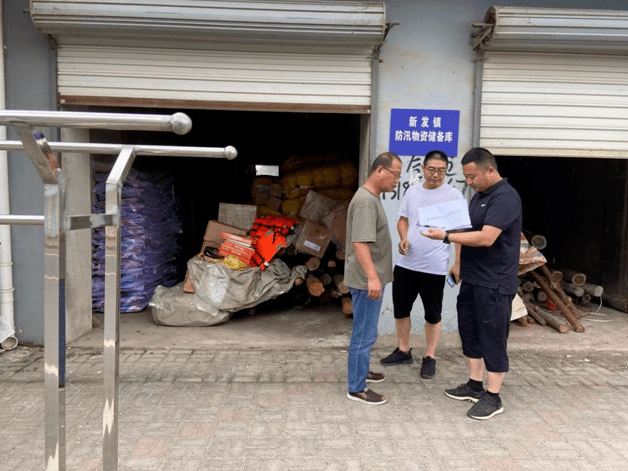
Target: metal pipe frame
point(56, 222)
point(54, 402)
point(179, 123)
point(228, 152)
point(113, 205)
point(90, 221)
point(54, 278)
point(37, 153)
point(22, 220)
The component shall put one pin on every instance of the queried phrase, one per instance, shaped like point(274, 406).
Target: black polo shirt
point(496, 266)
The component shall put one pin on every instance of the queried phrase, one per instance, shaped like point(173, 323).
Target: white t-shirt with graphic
point(425, 255)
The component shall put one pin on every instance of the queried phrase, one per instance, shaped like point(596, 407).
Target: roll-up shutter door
point(572, 105)
point(117, 75)
point(280, 55)
point(537, 101)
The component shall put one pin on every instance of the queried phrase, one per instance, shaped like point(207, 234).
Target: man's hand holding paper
point(449, 216)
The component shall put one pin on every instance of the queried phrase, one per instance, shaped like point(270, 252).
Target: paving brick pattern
point(266, 410)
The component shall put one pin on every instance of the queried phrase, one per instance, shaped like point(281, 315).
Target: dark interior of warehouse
point(261, 138)
point(580, 205)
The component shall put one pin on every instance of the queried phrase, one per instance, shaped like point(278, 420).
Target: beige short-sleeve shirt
point(367, 222)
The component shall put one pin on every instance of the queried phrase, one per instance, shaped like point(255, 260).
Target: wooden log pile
point(323, 283)
point(557, 297)
point(574, 284)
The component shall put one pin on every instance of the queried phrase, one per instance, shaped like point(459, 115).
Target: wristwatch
point(446, 239)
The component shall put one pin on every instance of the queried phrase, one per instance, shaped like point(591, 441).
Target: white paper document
point(448, 216)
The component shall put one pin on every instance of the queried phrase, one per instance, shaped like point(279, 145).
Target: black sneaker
point(428, 368)
point(368, 397)
point(464, 393)
point(487, 407)
point(375, 377)
point(397, 357)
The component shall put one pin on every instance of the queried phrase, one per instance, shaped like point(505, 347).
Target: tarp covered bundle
point(219, 292)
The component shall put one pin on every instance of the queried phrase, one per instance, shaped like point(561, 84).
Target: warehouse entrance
point(580, 206)
point(280, 144)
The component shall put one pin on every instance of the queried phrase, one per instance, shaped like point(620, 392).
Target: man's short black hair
point(436, 154)
point(481, 157)
point(385, 160)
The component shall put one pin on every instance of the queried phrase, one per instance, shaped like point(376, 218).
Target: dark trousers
point(484, 323)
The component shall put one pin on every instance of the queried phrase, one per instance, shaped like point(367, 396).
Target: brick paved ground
point(262, 410)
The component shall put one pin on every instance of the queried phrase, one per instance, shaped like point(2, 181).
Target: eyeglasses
point(432, 170)
point(397, 175)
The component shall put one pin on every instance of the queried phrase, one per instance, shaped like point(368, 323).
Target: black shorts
point(408, 284)
point(483, 323)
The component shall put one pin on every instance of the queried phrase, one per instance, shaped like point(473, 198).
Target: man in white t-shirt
point(422, 267)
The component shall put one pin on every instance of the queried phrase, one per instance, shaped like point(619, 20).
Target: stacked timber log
point(574, 283)
point(323, 283)
point(557, 297)
point(536, 240)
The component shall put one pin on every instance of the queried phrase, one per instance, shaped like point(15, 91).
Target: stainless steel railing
point(56, 222)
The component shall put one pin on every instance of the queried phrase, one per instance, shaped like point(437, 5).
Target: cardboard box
point(261, 198)
point(262, 184)
point(238, 215)
point(336, 222)
point(312, 238)
point(276, 190)
point(316, 207)
point(273, 203)
point(212, 237)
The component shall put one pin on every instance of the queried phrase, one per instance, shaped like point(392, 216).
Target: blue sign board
point(416, 132)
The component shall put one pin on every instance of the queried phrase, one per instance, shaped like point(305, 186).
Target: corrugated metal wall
point(119, 75)
point(565, 105)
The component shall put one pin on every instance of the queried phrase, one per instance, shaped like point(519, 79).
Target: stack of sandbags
point(330, 175)
point(149, 247)
point(267, 195)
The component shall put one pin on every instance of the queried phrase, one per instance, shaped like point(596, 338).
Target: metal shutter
point(279, 55)
point(571, 105)
point(279, 81)
point(554, 82)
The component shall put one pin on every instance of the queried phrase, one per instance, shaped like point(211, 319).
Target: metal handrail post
point(54, 317)
point(111, 354)
point(53, 360)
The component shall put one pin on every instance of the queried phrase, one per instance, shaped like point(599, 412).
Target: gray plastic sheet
point(220, 291)
point(5, 331)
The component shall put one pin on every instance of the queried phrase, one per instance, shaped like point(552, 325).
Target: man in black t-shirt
point(489, 263)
